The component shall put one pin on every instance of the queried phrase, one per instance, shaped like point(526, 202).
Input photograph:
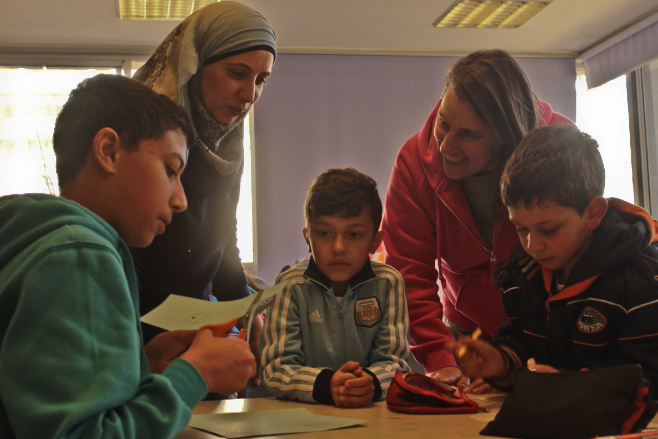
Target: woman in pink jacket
point(443, 204)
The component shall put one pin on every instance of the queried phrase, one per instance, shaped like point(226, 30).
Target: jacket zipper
point(469, 230)
point(341, 315)
point(492, 256)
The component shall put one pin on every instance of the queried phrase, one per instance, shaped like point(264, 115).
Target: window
point(31, 98)
point(602, 112)
point(644, 111)
point(245, 215)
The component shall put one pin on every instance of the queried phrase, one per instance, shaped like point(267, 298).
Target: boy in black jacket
point(581, 290)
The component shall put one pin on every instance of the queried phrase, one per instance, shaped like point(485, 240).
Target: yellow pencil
point(475, 335)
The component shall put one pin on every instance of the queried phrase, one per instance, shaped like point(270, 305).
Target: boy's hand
point(225, 363)
point(166, 347)
point(542, 368)
point(351, 386)
point(477, 358)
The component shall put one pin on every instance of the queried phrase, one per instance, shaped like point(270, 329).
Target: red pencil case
point(415, 393)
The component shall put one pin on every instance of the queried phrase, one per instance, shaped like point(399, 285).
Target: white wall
point(324, 111)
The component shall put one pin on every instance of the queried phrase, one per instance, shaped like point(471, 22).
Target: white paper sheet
point(180, 312)
point(269, 422)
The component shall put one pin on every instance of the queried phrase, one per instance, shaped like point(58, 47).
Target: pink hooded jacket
point(428, 218)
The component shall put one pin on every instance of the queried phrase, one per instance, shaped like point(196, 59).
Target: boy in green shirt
point(72, 363)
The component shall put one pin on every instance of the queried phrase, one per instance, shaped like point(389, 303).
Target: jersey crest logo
point(367, 312)
point(591, 321)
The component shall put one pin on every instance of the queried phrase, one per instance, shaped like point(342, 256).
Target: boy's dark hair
point(127, 106)
point(554, 163)
point(343, 192)
point(500, 93)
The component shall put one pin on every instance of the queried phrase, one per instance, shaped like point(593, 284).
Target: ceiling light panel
point(159, 9)
point(489, 13)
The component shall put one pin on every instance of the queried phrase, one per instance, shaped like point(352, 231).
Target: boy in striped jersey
point(339, 330)
point(581, 290)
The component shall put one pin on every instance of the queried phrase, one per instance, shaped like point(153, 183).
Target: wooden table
point(382, 423)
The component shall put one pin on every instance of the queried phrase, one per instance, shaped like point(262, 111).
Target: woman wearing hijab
point(215, 64)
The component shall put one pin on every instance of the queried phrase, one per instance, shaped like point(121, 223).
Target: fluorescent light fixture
point(489, 13)
point(159, 9)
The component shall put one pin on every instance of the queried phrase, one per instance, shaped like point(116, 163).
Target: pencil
point(475, 335)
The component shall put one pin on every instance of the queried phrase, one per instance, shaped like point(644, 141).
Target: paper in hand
point(180, 312)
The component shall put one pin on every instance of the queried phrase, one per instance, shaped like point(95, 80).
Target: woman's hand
point(478, 387)
point(449, 375)
point(254, 345)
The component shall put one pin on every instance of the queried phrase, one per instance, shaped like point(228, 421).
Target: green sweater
point(72, 364)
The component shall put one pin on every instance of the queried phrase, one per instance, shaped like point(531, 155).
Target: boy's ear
point(595, 211)
point(377, 240)
point(308, 242)
point(105, 149)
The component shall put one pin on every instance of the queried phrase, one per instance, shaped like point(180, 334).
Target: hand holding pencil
point(478, 358)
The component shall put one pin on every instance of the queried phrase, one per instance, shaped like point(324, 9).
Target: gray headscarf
point(174, 69)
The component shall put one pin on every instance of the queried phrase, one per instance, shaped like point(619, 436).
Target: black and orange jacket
point(607, 313)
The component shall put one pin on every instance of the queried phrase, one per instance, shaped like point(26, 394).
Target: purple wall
point(324, 111)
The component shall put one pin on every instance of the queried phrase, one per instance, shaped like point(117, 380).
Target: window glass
point(30, 99)
point(245, 216)
point(649, 128)
point(602, 112)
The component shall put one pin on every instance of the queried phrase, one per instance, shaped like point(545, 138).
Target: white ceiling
point(565, 27)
